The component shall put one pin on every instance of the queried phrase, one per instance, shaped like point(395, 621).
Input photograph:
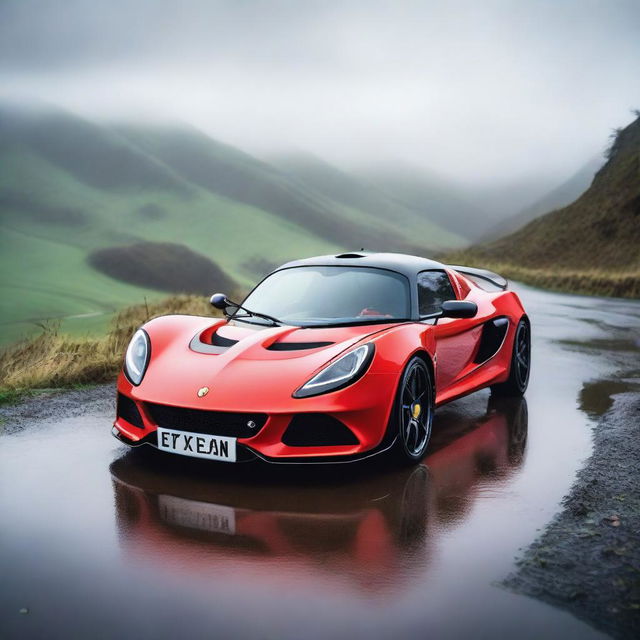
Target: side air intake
point(317, 430)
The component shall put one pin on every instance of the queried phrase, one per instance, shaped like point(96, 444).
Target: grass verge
point(601, 282)
point(53, 359)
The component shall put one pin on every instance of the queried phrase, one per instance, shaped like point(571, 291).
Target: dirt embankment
point(588, 559)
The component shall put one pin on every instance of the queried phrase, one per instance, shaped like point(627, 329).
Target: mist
point(483, 93)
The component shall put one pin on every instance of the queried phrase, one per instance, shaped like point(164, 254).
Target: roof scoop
point(351, 255)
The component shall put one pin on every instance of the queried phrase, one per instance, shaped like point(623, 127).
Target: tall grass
point(624, 283)
point(53, 359)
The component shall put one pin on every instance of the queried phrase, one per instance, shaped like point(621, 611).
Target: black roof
point(400, 262)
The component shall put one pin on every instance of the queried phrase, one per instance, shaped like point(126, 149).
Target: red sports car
point(328, 359)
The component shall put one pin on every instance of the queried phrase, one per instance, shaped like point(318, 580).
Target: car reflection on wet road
point(373, 529)
point(100, 541)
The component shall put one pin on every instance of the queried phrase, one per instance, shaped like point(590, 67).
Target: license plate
point(203, 516)
point(197, 445)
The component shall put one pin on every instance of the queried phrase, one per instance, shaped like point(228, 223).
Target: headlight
point(344, 371)
point(137, 357)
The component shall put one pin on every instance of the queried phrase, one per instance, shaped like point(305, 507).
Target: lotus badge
point(203, 392)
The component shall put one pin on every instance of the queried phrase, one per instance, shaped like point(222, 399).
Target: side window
point(434, 287)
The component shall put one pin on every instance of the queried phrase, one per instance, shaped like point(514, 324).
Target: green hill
point(355, 193)
point(432, 197)
point(73, 192)
point(591, 245)
point(69, 187)
point(562, 195)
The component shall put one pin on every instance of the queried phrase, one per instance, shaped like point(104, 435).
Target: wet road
point(100, 542)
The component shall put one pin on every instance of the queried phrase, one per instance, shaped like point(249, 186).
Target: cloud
point(485, 92)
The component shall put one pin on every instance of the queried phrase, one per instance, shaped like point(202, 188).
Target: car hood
point(238, 362)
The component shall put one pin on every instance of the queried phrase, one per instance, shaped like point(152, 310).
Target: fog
point(485, 93)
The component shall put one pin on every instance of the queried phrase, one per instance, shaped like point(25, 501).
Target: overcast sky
point(483, 91)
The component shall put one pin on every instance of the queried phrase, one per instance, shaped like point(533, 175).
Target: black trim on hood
point(297, 346)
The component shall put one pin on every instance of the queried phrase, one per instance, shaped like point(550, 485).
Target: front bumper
point(363, 409)
point(245, 453)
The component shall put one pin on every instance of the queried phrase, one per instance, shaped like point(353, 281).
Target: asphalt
point(521, 521)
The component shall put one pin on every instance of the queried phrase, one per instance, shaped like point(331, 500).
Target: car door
point(456, 339)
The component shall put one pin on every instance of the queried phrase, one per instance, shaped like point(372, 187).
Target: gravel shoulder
point(54, 404)
point(588, 559)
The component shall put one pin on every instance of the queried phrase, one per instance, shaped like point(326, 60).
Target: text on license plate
point(197, 445)
point(197, 515)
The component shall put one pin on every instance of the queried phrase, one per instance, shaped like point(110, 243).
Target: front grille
point(215, 423)
point(317, 430)
point(127, 410)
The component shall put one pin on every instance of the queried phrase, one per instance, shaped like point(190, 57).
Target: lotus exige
point(328, 359)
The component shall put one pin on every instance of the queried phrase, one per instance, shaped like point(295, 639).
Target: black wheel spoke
point(420, 396)
point(408, 433)
point(521, 354)
point(416, 418)
point(418, 439)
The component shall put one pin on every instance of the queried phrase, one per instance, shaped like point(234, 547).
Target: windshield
point(309, 296)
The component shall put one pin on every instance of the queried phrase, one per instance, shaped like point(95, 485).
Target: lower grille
point(127, 410)
point(317, 430)
point(215, 423)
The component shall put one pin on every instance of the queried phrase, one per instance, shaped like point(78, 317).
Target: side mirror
point(458, 309)
point(219, 301)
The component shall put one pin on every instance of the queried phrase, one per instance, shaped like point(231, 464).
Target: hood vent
point(221, 341)
point(202, 343)
point(297, 346)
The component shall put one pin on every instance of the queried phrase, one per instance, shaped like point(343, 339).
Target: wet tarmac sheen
point(97, 541)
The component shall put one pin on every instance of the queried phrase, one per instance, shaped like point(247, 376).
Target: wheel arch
point(389, 436)
point(426, 357)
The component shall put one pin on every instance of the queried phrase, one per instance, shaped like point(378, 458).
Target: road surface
point(97, 541)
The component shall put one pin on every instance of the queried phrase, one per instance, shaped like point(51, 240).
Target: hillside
point(239, 177)
point(70, 187)
point(431, 196)
point(561, 196)
point(360, 194)
point(591, 245)
point(73, 192)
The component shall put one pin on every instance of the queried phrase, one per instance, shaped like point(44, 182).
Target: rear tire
point(516, 383)
point(412, 415)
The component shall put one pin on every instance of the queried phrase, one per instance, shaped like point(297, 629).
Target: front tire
point(518, 380)
point(413, 412)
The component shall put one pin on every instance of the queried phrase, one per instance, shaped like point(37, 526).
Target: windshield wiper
point(220, 301)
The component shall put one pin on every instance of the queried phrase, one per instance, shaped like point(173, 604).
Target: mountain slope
point(432, 197)
point(91, 153)
point(237, 176)
point(72, 189)
point(561, 196)
point(592, 244)
point(55, 212)
point(360, 194)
